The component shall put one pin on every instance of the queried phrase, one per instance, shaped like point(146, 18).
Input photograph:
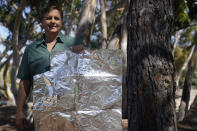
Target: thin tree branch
point(103, 24)
point(8, 59)
point(176, 39)
point(184, 66)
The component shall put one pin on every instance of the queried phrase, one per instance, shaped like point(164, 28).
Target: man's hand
point(24, 89)
point(77, 48)
point(21, 122)
point(124, 124)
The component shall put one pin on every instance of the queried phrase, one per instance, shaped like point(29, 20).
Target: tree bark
point(183, 108)
point(7, 59)
point(150, 70)
point(86, 21)
point(103, 24)
point(116, 39)
point(176, 39)
point(123, 44)
point(16, 56)
point(114, 42)
point(10, 95)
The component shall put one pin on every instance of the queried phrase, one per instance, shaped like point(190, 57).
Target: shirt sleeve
point(24, 72)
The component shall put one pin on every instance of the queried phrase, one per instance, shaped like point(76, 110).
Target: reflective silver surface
point(99, 120)
point(84, 90)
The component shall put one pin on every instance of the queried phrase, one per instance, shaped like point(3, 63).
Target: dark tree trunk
point(188, 83)
point(123, 43)
point(150, 70)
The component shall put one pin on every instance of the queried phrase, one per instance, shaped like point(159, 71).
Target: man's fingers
point(125, 123)
point(25, 123)
point(20, 124)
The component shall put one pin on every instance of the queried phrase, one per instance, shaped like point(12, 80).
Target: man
point(36, 58)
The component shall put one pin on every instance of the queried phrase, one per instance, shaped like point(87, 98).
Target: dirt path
point(7, 118)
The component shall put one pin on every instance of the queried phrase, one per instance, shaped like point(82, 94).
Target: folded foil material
point(94, 120)
point(99, 120)
point(54, 121)
point(99, 92)
point(84, 90)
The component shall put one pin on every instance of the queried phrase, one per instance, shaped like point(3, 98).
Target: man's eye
point(57, 18)
point(47, 18)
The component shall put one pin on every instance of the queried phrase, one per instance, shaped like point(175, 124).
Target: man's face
point(52, 22)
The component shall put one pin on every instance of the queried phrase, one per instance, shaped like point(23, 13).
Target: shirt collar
point(42, 40)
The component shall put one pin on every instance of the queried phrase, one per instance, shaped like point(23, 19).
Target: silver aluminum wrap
point(84, 90)
point(99, 120)
point(54, 121)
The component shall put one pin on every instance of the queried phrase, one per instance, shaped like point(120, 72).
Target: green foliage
point(182, 79)
point(7, 16)
point(187, 37)
point(185, 43)
point(182, 19)
point(112, 21)
point(184, 13)
point(179, 57)
point(2, 91)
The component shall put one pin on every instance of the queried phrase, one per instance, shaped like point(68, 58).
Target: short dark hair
point(49, 8)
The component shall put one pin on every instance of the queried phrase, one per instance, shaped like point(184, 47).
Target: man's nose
point(52, 20)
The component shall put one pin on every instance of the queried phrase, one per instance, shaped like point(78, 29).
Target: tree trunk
point(116, 39)
point(150, 70)
point(5, 62)
point(183, 108)
point(16, 56)
point(114, 42)
point(123, 44)
point(10, 95)
point(86, 21)
point(103, 24)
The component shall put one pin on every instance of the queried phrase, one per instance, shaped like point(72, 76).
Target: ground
point(7, 118)
point(7, 113)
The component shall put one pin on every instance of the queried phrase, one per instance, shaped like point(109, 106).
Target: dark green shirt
point(36, 58)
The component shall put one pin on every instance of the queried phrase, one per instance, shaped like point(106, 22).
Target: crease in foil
point(85, 90)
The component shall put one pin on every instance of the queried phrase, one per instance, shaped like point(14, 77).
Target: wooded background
point(158, 40)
